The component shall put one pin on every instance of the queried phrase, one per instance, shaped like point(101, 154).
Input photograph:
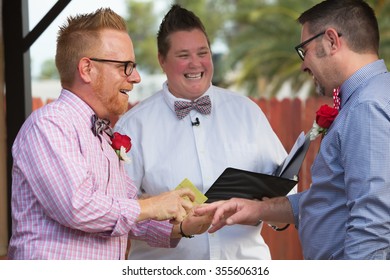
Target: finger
point(187, 205)
point(187, 192)
point(201, 219)
point(203, 209)
point(207, 208)
point(222, 212)
point(181, 216)
point(217, 226)
point(239, 217)
point(195, 213)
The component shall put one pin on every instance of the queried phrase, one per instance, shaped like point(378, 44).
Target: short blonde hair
point(79, 36)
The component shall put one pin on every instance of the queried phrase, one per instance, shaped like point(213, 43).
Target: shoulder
point(225, 98)
point(59, 115)
point(47, 122)
point(48, 113)
point(370, 85)
point(375, 94)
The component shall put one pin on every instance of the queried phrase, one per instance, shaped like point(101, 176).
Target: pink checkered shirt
point(71, 198)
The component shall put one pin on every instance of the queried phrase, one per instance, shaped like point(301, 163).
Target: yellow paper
point(199, 197)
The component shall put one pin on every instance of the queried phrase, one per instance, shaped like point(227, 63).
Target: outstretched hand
point(230, 212)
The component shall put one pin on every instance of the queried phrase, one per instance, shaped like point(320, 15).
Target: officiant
point(194, 129)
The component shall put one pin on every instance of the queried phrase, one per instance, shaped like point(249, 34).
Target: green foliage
point(263, 39)
point(382, 11)
point(260, 36)
point(142, 25)
point(213, 13)
point(263, 45)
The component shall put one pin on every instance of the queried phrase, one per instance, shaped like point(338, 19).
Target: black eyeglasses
point(129, 65)
point(301, 52)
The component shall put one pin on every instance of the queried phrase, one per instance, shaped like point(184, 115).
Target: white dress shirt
point(166, 150)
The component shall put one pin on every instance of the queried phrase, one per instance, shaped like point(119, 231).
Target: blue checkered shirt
point(346, 212)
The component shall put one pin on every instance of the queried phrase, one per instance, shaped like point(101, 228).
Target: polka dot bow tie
point(336, 98)
point(202, 105)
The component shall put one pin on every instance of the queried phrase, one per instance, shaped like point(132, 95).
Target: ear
point(161, 60)
point(85, 68)
point(334, 40)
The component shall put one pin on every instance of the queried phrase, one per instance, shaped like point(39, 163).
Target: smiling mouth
point(194, 76)
point(124, 91)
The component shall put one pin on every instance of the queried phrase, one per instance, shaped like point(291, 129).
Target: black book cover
point(246, 184)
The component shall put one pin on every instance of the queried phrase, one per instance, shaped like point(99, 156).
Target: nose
point(135, 77)
point(195, 60)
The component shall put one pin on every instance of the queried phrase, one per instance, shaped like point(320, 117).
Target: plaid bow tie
point(100, 125)
point(336, 98)
point(202, 105)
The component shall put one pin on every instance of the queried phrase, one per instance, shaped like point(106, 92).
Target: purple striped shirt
point(71, 198)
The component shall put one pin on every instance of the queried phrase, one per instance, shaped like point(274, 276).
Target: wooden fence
point(288, 118)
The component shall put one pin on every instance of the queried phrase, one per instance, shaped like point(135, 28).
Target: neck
point(354, 63)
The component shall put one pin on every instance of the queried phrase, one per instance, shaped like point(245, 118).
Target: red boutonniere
point(324, 118)
point(121, 144)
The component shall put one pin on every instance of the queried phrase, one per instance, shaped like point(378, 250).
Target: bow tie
point(202, 105)
point(336, 98)
point(100, 125)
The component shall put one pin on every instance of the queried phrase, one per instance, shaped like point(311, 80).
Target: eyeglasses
point(301, 52)
point(129, 65)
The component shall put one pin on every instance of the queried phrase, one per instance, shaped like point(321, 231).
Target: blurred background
point(252, 42)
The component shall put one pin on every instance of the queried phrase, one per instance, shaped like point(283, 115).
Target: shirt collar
point(360, 77)
point(77, 105)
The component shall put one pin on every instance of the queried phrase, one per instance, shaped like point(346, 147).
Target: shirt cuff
point(129, 210)
point(155, 233)
point(294, 201)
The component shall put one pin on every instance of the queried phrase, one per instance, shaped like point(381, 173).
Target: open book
point(246, 184)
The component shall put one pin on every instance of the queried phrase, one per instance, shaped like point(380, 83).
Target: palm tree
point(260, 36)
point(262, 41)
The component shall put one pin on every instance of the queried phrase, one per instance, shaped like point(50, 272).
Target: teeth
point(124, 91)
point(193, 76)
